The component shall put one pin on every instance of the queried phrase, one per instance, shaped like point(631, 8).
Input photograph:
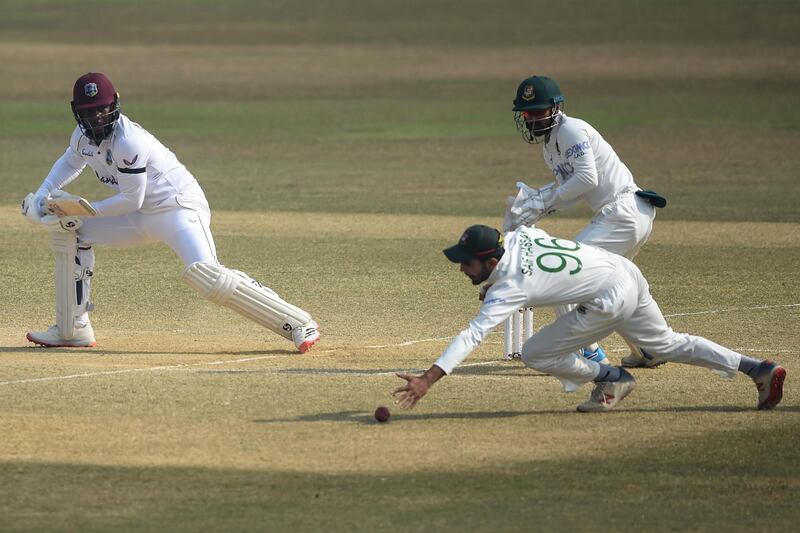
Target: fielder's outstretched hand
point(409, 394)
point(416, 386)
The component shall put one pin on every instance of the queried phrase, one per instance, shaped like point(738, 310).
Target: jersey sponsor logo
point(106, 180)
point(131, 162)
point(90, 89)
point(564, 171)
point(87, 152)
point(577, 150)
point(495, 301)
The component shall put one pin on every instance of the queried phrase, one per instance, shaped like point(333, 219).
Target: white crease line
point(715, 311)
point(402, 344)
point(408, 343)
point(131, 370)
point(466, 365)
point(317, 372)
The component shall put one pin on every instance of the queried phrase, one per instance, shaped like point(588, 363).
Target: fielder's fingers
point(398, 390)
point(407, 402)
point(401, 401)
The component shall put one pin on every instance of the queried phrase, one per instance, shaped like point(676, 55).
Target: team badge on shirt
point(130, 163)
point(109, 159)
point(528, 93)
point(90, 89)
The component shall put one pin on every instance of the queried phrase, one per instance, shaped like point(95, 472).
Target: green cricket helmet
point(533, 94)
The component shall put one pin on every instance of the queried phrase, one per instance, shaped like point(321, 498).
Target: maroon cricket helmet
point(95, 106)
point(93, 90)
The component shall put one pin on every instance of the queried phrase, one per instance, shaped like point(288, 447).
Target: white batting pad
point(238, 291)
point(65, 246)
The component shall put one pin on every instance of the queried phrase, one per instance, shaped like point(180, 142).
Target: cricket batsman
point(586, 168)
point(155, 199)
point(529, 268)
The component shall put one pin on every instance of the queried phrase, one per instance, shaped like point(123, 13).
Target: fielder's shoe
point(598, 355)
point(769, 382)
point(305, 336)
point(83, 338)
point(634, 360)
point(607, 394)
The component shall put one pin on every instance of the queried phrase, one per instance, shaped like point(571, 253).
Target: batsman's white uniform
point(587, 168)
point(609, 293)
point(158, 200)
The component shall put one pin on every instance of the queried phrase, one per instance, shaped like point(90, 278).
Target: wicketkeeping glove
point(528, 206)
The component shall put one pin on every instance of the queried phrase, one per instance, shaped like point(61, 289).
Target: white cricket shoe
point(83, 338)
point(305, 336)
point(607, 394)
point(769, 382)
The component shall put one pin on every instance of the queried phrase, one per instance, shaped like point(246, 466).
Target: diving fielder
point(586, 168)
point(156, 199)
point(529, 268)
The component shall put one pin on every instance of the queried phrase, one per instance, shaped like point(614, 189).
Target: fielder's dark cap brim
point(477, 242)
point(457, 254)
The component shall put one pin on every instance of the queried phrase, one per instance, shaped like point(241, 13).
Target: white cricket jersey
point(145, 174)
point(536, 270)
point(585, 165)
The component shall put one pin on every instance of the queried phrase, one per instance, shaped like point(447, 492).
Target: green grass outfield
point(342, 145)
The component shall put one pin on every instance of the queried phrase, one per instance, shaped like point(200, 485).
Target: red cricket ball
point(382, 414)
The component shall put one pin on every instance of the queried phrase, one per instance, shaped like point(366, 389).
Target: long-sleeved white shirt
point(536, 270)
point(585, 165)
point(145, 175)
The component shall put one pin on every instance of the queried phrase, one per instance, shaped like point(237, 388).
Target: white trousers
point(186, 230)
point(621, 227)
point(628, 309)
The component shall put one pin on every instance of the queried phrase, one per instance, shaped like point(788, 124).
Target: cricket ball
point(382, 414)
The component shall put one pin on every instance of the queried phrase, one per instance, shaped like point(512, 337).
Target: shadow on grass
point(681, 484)
point(361, 417)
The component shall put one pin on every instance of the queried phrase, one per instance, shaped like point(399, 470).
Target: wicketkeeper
point(586, 168)
point(529, 268)
point(156, 199)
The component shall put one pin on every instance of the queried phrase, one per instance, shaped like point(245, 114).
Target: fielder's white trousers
point(628, 309)
point(621, 227)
